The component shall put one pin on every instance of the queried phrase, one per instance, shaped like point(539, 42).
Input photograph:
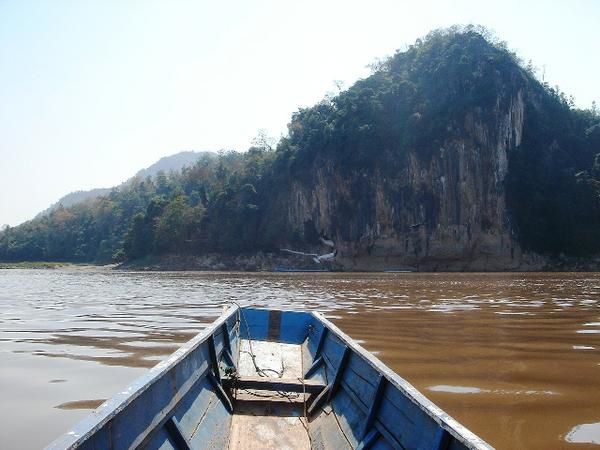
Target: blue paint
point(357, 378)
point(214, 430)
point(381, 444)
point(406, 422)
point(315, 331)
point(369, 440)
point(326, 434)
point(160, 441)
point(136, 418)
point(176, 434)
point(349, 417)
point(369, 407)
point(374, 408)
point(293, 327)
point(254, 324)
point(333, 349)
point(194, 406)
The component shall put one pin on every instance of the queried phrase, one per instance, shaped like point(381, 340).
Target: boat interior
point(269, 418)
point(268, 379)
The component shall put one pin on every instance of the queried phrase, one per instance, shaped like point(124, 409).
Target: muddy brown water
point(515, 357)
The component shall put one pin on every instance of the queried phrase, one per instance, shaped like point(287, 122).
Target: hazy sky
point(93, 91)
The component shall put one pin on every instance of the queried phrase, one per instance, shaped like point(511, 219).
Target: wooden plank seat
point(274, 384)
point(191, 400)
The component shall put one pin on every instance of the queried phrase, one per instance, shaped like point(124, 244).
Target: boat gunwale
point(443, 419)
point(86, 427)
point(94, 421)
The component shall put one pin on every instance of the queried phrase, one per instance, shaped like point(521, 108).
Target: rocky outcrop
point(442, 212)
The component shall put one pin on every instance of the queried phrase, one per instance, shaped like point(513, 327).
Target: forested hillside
point(166, 164)
point(451, 151)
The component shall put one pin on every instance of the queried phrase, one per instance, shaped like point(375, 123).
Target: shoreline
point(51, 265)
point(270, 262)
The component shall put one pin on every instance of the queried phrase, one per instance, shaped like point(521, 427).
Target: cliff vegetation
point(451, 155)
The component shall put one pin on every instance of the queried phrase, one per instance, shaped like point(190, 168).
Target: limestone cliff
point(422, 181)
point(445, 213)
point(451, 155)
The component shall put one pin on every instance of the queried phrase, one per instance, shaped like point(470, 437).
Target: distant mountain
point(174, 163)
point(451, 155)
point(73, 198)
point(167, 164)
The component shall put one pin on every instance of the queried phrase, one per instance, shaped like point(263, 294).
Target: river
point(514, 357)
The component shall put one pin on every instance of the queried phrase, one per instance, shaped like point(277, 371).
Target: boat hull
point(346, 397)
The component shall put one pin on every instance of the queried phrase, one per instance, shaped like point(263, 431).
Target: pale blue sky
point(93, 91)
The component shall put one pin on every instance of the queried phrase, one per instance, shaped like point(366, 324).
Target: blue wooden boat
point(258, 379)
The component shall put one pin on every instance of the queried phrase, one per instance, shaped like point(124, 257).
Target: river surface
point(514, 357)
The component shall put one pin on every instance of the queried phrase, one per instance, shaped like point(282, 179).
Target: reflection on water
point(514, 357)
point(456, 389)
point(587, 433)
point(475, 390)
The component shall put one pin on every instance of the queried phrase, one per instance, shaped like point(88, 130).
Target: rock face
point(450, 156)
point(446, 211)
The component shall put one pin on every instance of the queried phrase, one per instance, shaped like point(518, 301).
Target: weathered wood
point(273, 359)
point(338, 373)
point(214, 361)
point(274, 325)
point(320, 343)
point(332, 350)
point(461, 436)
point(212, 431)
point(233, 325)
point(314, 367)
point(360, 389)
point(138, 412)
point(390, 437)
point(348, 417)
point(368, 440)
point(374, 406)
point(193, 407)
point(186, 411)
point(315, 329)
point(358, 404)
point(329, 391)
point(268, 403)
point(226, 340)
point(218, 338)
point(442, 440)
point(293, 328)
point(411, 426)
point(182, 403)
point(389, 427)
point(319, 400)
point(360, 382)
point(326, 434)
point(267, 432)
point(221, 392)
point(274, 384)
point(176, 435)
point(227, 356)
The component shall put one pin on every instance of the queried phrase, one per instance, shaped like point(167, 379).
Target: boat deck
point(221, 390)
point(269, 420)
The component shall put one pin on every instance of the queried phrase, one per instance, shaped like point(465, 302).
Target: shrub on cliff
point(415, 101)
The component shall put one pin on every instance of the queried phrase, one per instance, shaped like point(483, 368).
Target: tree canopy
point(414, 101)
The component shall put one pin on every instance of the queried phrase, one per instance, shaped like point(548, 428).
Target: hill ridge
point(451, 155)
